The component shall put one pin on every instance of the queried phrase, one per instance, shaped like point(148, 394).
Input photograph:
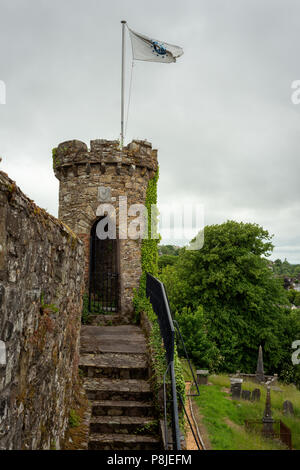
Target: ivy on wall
point(149, 261)
point(150, 244)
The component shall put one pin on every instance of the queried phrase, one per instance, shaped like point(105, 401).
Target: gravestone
point(255, 395)
point(235, 388)
point(246, 394)
point(260, 374)
point(202, 376)
point(268, 420)
point(288, 408)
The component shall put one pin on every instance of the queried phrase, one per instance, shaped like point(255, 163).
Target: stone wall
point(82, 172)
point(41, 286)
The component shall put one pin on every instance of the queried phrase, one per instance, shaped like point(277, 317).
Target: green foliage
point(149, 245)
point(47, 308)
point(187, 374)
point(240, 296)
point(55, 160)
point(149, 253)
point(169, 250)
point(290, 374)
point(166, 260)
point(180, 382)
point(294, 297)
point(284, 268)
point(149, 256)
point(201, 350)
point(158, 356)
point(148, 428)
point(74, 419)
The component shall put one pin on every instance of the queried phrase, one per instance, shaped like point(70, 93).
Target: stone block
point(255, 396)
point(202, 376)
point(288, 408)
point(235, 388)
point(246, 395)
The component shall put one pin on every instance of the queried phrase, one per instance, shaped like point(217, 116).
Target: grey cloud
point(221, 117)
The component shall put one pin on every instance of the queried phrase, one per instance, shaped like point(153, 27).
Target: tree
point(166, 260)
point(203, 352)
point(294, 297)
point(168, 250)
point(241, 298)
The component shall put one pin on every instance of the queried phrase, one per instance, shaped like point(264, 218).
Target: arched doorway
point(103, 274)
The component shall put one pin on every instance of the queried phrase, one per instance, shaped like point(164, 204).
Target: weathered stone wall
point(81, 173)
point(41, 284)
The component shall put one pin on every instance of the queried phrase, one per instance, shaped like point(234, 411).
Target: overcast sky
point(222, 118)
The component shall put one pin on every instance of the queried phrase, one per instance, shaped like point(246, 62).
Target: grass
point(188, 377)
point(224, 418)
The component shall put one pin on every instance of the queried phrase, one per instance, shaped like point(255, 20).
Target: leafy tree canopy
point(243, 303)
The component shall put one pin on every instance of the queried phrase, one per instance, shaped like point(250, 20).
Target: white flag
point(152, 50)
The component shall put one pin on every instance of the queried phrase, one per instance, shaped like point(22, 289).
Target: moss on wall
point(55, 160)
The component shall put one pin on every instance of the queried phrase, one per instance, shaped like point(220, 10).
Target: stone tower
point(102, 175)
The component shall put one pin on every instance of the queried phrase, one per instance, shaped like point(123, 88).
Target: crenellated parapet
point(74, 158)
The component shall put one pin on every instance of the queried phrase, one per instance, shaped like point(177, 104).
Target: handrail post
point(176, 430)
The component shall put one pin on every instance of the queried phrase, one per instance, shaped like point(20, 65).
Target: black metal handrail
point(155, 291)
point(157, 295)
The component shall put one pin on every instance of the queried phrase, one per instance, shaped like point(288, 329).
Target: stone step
point(120, 330)
point(123, 442)
point(127, 339)
point(114, 366)
point(115, 389)
point(123, 425)
point(121, 408)
point(106, 320)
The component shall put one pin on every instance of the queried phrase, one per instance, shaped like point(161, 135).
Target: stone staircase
point(114, 364)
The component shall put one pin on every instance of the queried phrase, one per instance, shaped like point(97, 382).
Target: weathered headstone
point(255, 395)
point(288, 408)
point(268, 420)
point(202, 376)
point(235, 388)
point(246, 394)
point(260, 374)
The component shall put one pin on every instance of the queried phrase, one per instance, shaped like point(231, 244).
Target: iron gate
point(103, 278)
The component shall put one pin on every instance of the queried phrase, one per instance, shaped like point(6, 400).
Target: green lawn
point(224, 418)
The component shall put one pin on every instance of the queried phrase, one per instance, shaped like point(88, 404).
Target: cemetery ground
point(221, 420)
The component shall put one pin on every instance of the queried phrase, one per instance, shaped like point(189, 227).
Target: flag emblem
point(158, 49)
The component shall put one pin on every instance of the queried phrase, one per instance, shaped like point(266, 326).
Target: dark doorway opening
point(104, 276)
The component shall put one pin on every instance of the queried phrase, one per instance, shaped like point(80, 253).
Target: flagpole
point(123, 22)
